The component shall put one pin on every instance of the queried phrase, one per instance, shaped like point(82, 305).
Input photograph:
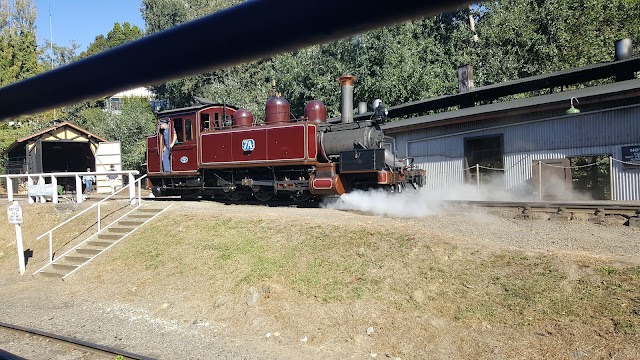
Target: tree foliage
point(130, 127)
point(414, 60)
point(120, 34)
point(18, 47)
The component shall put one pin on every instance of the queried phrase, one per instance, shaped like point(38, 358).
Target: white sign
point(41, 190)
point(248, 145)
point(15, 214)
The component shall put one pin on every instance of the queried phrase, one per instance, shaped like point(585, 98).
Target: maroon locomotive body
point(221, 151)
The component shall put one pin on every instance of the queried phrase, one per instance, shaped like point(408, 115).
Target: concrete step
point(110, 236)
point(99, 243)
point(121, 229)
point(90, 252)
point(64, 267)
point(76, 259)
point(140, 216)
point(130, 222)
point(52, 274)
point(150, 210)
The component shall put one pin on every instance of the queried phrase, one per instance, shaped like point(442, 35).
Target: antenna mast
point(51, 49)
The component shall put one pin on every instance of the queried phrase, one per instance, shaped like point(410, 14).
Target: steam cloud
point(425, 202)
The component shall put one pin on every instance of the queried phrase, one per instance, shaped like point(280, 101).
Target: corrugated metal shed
point(547, 135)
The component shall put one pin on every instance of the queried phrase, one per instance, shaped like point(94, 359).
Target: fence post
point(29, 184)
point(41, 182)
point(612, 178)
point(50, 246)
point(139, 192)
point(99, 217)
point(132, 189)
point(9, 188)
point(540, 180)
point(478, 176)
point(78, 189)
point(54, 184)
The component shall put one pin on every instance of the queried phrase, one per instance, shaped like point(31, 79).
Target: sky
point(83, 20)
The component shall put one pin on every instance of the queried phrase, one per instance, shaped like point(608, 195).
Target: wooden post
point(78, 189)
point(29, 184)
point(14, 213)
point(612, 178)
point(54, 184)
point(41, 182)
point(9, 188)
point(132, 189)
point(540, 180)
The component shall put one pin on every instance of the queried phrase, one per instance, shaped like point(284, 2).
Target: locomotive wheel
point(234, 195)
point(301, 196)
point(263, 194)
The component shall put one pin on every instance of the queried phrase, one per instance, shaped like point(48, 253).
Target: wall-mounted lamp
point(573, 110)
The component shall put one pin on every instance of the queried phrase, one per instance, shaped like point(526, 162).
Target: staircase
point(99, 243)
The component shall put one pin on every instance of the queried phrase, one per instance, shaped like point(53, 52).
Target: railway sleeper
point(561, 215)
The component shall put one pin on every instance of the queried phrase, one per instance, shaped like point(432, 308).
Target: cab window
point(179, 129)
point(204, 122)
point(188, 130)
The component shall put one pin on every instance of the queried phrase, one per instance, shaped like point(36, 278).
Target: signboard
point(15, 214)
point(41, 190)
point(631, 154)
point(248, 145)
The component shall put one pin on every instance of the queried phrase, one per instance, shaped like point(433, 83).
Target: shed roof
point(193, 108)
point(54, 127)
point(621, 68)
point(624, 89)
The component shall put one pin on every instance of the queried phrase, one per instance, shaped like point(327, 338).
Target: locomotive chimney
point(346, 97)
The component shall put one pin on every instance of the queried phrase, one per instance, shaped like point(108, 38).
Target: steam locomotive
point(220, 151)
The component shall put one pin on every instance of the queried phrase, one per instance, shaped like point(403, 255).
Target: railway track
point(597, 208)
point(107, 352)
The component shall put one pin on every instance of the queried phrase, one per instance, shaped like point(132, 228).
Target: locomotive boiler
point(220, 151)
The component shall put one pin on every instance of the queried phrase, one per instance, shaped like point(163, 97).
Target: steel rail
point(252, 30)
point(80, 344)
point(551, 206)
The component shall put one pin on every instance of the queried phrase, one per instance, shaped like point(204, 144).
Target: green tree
point(120, 34)
point(61, 55)
point(414, 60)
point(130, 127)
point(18, 47)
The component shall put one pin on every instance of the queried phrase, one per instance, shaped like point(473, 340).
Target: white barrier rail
point(40, 179)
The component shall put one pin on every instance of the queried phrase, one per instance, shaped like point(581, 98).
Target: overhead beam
point(252, 30)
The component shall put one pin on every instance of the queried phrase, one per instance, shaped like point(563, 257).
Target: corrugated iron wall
point(440, 151)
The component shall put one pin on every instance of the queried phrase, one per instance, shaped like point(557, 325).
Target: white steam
point(425, 202)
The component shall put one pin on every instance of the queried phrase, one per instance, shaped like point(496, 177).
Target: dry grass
point(39, 218)
point(426, 295)
point(403, 276)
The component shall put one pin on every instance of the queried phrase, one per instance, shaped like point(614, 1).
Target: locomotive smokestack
point(346, 97)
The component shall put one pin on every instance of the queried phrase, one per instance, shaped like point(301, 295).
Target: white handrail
point(115, 242)
point(50, 232)
point(89, 208)
point(92, 236)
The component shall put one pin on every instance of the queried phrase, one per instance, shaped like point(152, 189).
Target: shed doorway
point(592, 177)
point(488, 153)
point(66, 156)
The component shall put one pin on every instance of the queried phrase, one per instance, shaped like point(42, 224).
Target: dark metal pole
point(189, 48)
